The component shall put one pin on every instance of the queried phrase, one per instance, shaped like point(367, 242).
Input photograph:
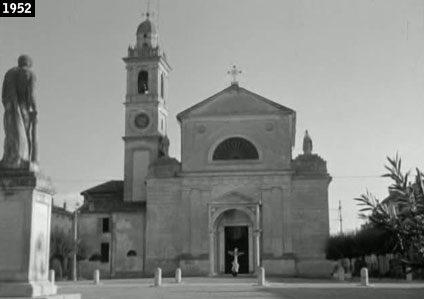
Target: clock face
point(141, 121)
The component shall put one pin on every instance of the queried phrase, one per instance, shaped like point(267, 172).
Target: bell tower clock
point(145, 109)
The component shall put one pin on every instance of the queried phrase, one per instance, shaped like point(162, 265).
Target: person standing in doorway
point(235, 265)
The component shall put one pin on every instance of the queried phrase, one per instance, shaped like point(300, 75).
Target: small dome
point(147, 27)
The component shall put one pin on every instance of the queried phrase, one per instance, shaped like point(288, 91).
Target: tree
point(63, 246)
point(401, 214)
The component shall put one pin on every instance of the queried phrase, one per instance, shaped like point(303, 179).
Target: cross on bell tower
point(234, 72)
point(149, 12)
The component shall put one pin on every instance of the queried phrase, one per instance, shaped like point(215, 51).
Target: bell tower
point(145, 109)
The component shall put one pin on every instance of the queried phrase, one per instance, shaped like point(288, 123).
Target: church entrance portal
point(237, 237)
point(234, 221)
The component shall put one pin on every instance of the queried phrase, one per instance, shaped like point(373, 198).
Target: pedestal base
point(27, 289)
point(25, 211)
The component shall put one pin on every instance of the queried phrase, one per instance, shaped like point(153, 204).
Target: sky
point(352, 70)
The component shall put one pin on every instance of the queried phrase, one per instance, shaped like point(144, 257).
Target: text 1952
point(17, 8)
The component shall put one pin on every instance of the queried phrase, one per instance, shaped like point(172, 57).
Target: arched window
point(143, 82)
point(162, 86)
point(132, 253)
point(235, 148)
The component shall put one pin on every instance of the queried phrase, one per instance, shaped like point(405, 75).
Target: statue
point(163, 149)
point(307, 144)
point(235, 265)
point(20, 117)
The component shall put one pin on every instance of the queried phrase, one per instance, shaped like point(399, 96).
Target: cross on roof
point(148, 13)
point(234, 72)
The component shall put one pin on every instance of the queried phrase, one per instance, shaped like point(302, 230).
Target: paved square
point(242, 288)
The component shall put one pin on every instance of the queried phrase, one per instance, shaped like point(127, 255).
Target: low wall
point(314, 268)
point(193, 267)
point(279, 267)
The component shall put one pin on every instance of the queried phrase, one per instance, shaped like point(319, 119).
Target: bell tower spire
point(147, 35)
point(145, 107)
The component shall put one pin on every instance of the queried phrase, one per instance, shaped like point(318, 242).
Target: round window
point(141, 121)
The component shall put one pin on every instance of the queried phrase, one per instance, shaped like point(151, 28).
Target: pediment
point(234, 100)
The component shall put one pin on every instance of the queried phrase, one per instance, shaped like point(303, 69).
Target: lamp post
point(74, 264)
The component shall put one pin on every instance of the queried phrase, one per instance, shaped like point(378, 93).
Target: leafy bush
point(369, 240)
point(401, 214)
point(95, 257)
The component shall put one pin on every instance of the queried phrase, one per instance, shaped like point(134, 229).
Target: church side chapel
point(236, 191)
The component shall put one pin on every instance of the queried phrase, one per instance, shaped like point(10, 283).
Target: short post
point(96, 277)
point(364, 277)
point(158, 277)
point(261, 276)
point(178, 275)
point(52, 276)
point(408, 274)
point(341, 273)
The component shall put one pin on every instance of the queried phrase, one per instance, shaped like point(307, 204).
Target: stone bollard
point(261, 276)
point(341, 274)
point(178, 275)
point(364, 277)
point(52, 276)
point(96, 277)
point(158, 277)
point(408, 274)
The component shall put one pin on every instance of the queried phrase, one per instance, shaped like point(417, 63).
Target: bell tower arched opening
point(143, 82)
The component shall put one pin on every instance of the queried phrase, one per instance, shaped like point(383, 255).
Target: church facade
point(236, 186)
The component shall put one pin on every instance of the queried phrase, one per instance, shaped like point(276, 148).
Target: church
point(237, 185)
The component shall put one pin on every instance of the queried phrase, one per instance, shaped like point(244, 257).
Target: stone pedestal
point(96, 277)
point(25, 214)
point(409, 275)
point(341, 274)
point(261, 276)
point(178, 275)
point(364, 277)
point(158, 277)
